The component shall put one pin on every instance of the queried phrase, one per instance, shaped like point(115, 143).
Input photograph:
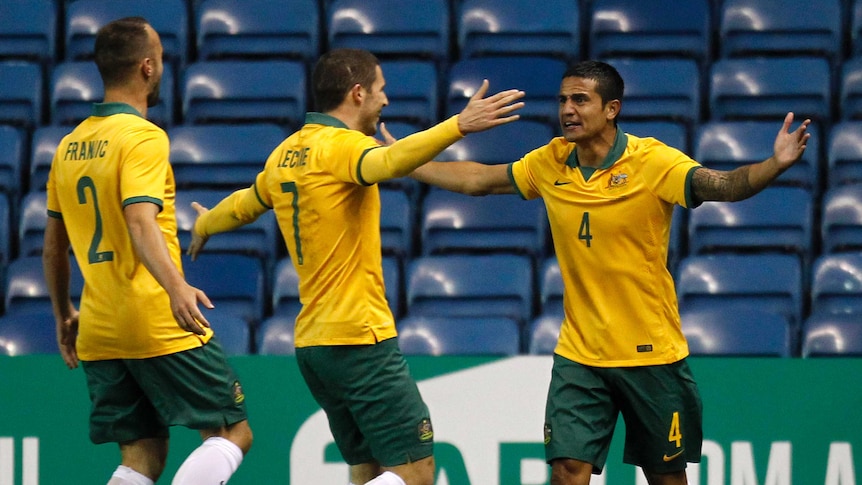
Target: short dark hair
point(120, 45)
point(609, 83)
point(337, 71)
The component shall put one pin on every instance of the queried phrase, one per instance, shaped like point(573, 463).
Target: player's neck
point(133, 99)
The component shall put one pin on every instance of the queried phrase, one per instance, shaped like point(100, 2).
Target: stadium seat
point(32, 218)
point(780, 28)
point(827, 335)
point(28, 31)
point(285, 290)
point(26, 291)
point(264, 29)
point(44, 144)
point(12, 150)
point(504, 144)
point(75, 86)
point(271, 91)
point(841, 221)
point(231, 331)
point(768, 88)
point(750, 332)
point(426, 335)
point(726, 145)
point(21, 93)
point(850, 89)
point(660, 89)
point(394, 284)
point(84, 18)
point(738, 283)
point(665, 28)
point(456, 223)
point(379, 26)
point(856, 29)
point(411, 88)
point(396, 224)
point(544, 331)
point(551, 288)
point(258, 239)
point(844, 154)
point(517, 27)
point(233, 282)
point(28, 334)
point(670, 133)
point(226, 157)
point(836, 284)
point(5, 233)
point(497, 285)
point(274, 336)
point(538, 77)
point(778, 219)
point(677, 246)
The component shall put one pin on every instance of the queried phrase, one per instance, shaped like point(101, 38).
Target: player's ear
point(612, 108)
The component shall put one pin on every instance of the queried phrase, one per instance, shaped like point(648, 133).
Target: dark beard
point(153, 96)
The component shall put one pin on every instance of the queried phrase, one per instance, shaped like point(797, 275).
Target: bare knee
point(566, 471)
point(238, 433)
point(674, 478)
point(420, 472)
point(146, 456)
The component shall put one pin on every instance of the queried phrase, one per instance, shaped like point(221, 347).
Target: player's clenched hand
point(197, 243)
point(482, 113)
point(67, 335)
point(184, 305)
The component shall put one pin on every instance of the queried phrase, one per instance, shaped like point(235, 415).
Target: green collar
point(108, 109)
point(313, 118)
point(619, 146)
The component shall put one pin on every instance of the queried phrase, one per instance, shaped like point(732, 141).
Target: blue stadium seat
point(28, 334)
point(841, 221)
point(5, 232)
point(426, 335)
point(668, 132)
point(394, 284)
point(768, 88)
point(677, 246)
point(274, 336)
point(396, 223)
point(660, 89)
point(844, 154)
point(271, 91)
point(379, 26)
point(456, 223)
point(226, 157)
point(517, 27)
point(411, 88)
point(75, 86)
point(543, 334)
point(726, 145)
point(856, 29)
point(836, 284)
point(551, 288)
point(497, 285)
point(28, 31)
point(26, 291)
point(43, 145)
point(778, 219)
point(84, 18)
point(32, 218)
point(504, 144)
point(21, 93)
point(285, 290)
point(780, 27)
point(827, 335)
point(265, 29)
point(663, 28)
point(11, 159)
point(231, 331)
point(538, 77)
point(258, 239)
point(233, 282)
point(850, 89)
point(738, 283)
point(750, 332)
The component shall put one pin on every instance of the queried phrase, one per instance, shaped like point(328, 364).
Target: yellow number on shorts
point(675, 432)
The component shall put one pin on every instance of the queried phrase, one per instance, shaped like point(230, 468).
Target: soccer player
point(609, 198)
point(321, 184)
point(147, 351)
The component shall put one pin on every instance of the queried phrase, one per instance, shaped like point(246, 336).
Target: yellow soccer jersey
point(112, 159)
point(611, 228)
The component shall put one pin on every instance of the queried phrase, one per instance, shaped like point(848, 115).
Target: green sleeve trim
point(689, 197)
point(361, 180)
point(259, 198)
point(55, 214)
point(144, 198)
point(512, 180)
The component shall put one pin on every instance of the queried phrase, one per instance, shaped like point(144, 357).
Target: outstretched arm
point(471, 178)
point(743, 182)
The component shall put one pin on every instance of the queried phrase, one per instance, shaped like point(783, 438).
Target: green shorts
point(660, 405)
point(140, 398)
point(374, 408)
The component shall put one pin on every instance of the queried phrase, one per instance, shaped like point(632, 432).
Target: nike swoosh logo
point(557, 182)
point(673, 456)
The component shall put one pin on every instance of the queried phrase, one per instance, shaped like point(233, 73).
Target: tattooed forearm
point(722, 186)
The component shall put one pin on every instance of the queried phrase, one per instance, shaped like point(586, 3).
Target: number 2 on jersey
point(290, 187)
point(93, 254)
